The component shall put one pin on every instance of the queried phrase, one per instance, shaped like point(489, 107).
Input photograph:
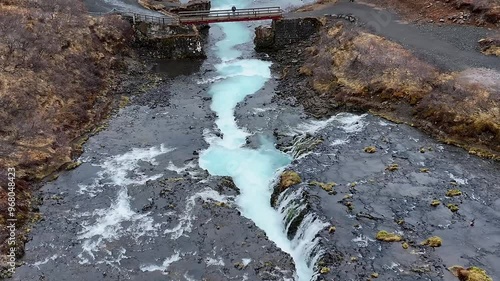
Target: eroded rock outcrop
point(170, 41)
point(170, 7)
point(284, 32)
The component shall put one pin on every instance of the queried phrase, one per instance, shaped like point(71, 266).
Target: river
point(154, 199)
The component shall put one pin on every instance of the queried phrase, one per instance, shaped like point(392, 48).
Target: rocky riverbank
point(344, 67)
point(59, 70)
point(384, 189)
point(395, 207)
point(57, 90)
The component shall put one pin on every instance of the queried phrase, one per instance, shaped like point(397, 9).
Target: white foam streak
point(214, 262)
point(164, 266)
point(362, 241)
point(116, 170)
point(185, 220)
point(339, 142)
point(109, 222)
point(457, 179)
point(305, 245)
point(350, 123)
point(46, 260)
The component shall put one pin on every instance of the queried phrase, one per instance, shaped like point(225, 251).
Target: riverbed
point(178, 187)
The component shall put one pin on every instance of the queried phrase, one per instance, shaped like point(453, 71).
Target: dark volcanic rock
point(284, 32)
point(392, 189)
point(169, 41)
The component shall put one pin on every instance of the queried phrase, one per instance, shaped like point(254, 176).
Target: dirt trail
point(121, 5)
point(449, 47)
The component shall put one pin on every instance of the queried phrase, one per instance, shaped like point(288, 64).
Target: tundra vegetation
point(58, 67)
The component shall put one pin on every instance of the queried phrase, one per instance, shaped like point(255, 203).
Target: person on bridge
point(233, 9)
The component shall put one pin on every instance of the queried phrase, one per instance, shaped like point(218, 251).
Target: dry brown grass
point(56, 67)
point(319, 4)
point(368, 66)
point(482, 12)
point(491, 45)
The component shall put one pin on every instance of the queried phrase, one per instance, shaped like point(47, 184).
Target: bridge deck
point(213, 16)
point(204, 17)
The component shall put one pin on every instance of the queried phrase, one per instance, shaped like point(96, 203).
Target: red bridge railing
point(212, 16)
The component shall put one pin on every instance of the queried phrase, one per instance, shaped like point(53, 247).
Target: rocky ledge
point(170, 41)
point(396, 208)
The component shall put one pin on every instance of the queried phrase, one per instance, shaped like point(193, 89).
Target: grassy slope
point(57, 66)
point(364, 71)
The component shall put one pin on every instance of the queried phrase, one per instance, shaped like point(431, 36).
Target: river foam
point(109, 224)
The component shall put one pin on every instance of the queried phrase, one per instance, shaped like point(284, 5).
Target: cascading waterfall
point(252, 170)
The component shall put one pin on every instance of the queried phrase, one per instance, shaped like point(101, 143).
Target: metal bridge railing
point(135, 17)
point(152, 19)
point(214, 15)
point(193, 17)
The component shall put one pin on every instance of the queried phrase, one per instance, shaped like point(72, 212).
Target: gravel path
point(121, 5)
point(450, 47)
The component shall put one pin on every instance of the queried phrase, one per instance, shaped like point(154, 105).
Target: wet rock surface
point(371, 197)
point(140, 208)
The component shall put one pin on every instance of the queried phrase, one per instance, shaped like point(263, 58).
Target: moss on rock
point(392, 167)
point(328, 187)
point(388, 237)
point(434, 241)
point(453, 207)
point(435, 203)
point(453, 192)
point(470, 274)
point(324, 270)
point(289, 178)
point(370, 149)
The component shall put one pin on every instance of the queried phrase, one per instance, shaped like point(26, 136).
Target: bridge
point(203, 17)
point(214, 16)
